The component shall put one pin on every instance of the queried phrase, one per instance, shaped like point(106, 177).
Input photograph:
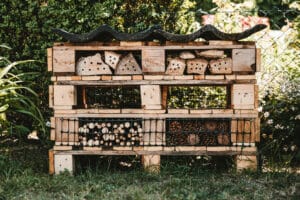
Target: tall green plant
point(17, 99)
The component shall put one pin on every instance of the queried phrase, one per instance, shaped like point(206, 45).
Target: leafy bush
point(14, 98)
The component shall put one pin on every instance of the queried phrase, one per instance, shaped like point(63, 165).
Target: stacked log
point(109, 134)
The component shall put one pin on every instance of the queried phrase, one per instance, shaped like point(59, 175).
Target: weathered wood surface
point(243, 60)
point(221, 66)
point(153, 60)
point(63, 60)
point(128, 65)
point(92, 65)
point(242, 96)
point(196, 66)
point(176, 66)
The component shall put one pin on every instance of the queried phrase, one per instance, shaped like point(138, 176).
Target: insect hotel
point(154, 93)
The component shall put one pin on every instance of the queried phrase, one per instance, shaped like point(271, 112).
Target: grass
point(23, 176)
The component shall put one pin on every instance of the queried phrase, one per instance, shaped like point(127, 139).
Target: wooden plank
point(184, 77)
point(199, 77)
point(256, 96)
point(258, 60)
point(49, 59)
point(243, 60)
point(92, 148)
point(230, 77)
point(142, 111)
point(52, 134)
point(153, 60)
point(164, 96)
point(131, 43)
point(76, 78)
point(119, 78)
point(137, 77)
point(62, 148)
point(167, 77)
point(51, 161)
point(91, 111)
point(220, 42)
point(147, 82)
point(64, 95)
point(91, 78)
point(63, 78)
point(151, 96)
point(153, 77)
point(214, 77)
point(222, 111)
point(245, 77)
point(63, 59)
point(257, 129)
point(201, 111)
point(242, 96)
point(106, 77)
point(53, 78)
point(51, 96)
point(179, 111)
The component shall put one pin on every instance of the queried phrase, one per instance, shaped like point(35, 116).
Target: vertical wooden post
point(151, 163)
point(51, 161)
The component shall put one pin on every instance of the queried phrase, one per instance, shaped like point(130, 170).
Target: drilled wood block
point(63, 59)
point(112, 58)
point(176, 67)
point(242, 96)
point(151, 96)
point(196, 66)
point(92, 65)
point(128, 65)
point(243, 60)
point(64, 95)
point(153, 60)
point(220, 66)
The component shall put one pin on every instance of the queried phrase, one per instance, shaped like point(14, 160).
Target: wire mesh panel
point(112, 97)
point(196, 97)
point(198, 132)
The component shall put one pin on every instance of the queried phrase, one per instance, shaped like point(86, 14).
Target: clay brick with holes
point(220, 66)
point(128, 65)
point(196, 66)
point(112, 58)
point(92, 65)
point(176, 67)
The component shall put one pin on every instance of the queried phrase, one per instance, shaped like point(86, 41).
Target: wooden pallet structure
point(148, 127)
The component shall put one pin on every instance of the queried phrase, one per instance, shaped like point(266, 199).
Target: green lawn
point(104, 178)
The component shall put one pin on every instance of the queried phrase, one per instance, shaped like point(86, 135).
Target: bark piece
point(210, 53)
point(186, 55)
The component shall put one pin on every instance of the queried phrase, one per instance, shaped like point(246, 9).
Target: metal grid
point(114, 97)
point(198, 97)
